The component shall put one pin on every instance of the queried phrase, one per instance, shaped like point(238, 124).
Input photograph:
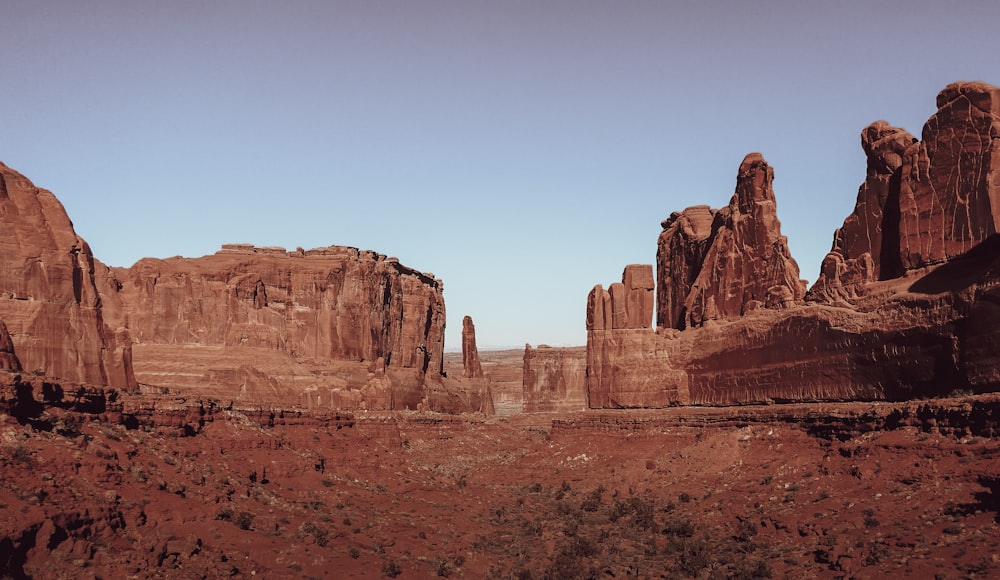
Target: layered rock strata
point(53, 292)
point(332, 327)
point(721, 264)
point(472, 368)
point(554, 379)
point(8, 358)
point(625, 367)
point(336, 326)
point(905, 306)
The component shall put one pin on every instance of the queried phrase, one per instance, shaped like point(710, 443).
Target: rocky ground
point(99, 484)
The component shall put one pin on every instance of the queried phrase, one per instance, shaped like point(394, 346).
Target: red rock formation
point(950, 191)
point(8, 359)
point(331, 327)
point(923, 202)
point(624, 368)
point(628, 304)
point(721, 264)
point(51, 291)
point(866, 247)
point(882, 324)
point(471, 367)
point(554, 379)
point(349, 328)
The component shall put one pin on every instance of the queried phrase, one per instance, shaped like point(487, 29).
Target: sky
point(521, 151)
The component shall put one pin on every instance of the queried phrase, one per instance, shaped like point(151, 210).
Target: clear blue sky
point(522, 151)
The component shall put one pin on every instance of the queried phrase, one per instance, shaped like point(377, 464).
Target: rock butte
point(333, 327)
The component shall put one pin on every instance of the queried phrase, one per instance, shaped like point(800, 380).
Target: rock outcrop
point(53, 292)
point(626, 304)
point(472, 368)
point(721, 264)
point(8, 358)
point(866, 248)
point(332, 327)
point(950, 191)
point(905, 306)
point(336, 327)
point(625, 367)
point(554, 379)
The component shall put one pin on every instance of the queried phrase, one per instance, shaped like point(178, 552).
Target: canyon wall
point(334, 327)
point(331, 327)
point(905, 305)
point(53, 292)
point(554, 379)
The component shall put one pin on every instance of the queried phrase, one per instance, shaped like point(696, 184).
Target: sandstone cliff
point(721, 264)
point(331, 327)
point(8, 358)
point(52, 291)
point(923, 202)
point(950, 190)
point(905, 305)
point(554, 379)
point(472, 368)
point(335, 327)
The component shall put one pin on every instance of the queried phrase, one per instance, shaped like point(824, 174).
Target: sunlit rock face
point(905, 305)
point(53, 292)
point(331, 326)
point(721, 264)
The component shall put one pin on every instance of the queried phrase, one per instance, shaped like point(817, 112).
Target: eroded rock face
point(626, 304)
point(905, 305)
point(51, 291)
point(923, 202)
point(554, 379)
point(325, 328)
point(348, 328)
point(866, 247)
point(625, 366)
point(950, 191)
point(472, 368)
point(721, 264)
point(8, 359)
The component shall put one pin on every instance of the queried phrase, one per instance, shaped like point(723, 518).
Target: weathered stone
point(730, 265)
point(905, 305)
point(866, 247)
point(950, 194)
point(51, 291)
point(8, 359)
point(637, 280)
point(331, 320)
point(472, 368)
point(554, 379)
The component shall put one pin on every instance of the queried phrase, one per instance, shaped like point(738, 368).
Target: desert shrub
point(244, 520)
point(593, 501)
point(391, 569)
point(21, 454)
point(694, 555)
point(320, 534)
point(679, 527)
